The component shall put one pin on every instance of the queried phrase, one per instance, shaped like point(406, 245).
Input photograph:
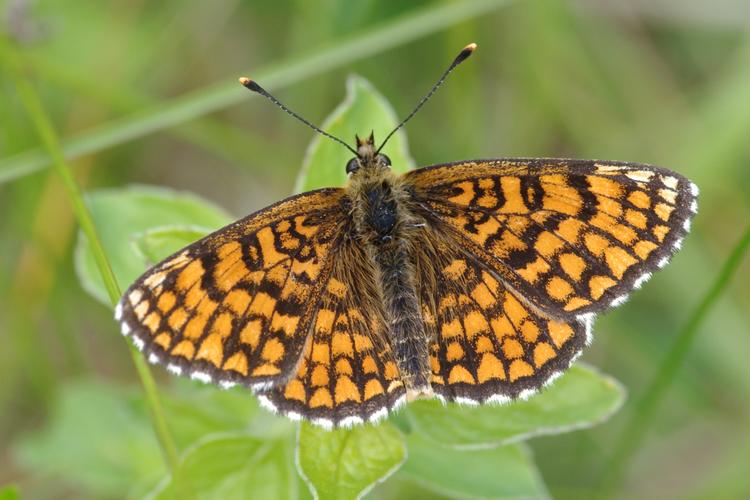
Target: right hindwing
point(488, 344)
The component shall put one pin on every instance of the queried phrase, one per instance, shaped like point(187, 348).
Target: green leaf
point(347, 463)
point(155, 245)
point(503, 472)
point(579, 399)
point(99, 437)
point(234, 467)
point(195, 410)
point(9, 492)
point(119, 214)
point(363, 110)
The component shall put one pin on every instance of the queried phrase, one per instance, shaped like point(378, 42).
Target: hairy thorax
point(379, 206)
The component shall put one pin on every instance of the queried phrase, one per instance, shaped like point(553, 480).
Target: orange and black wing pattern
point(572, 237)
point(236, 306)
point(347, 374)
point(489, 345)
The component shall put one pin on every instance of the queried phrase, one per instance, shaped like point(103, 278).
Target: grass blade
point(218, 96)
point(49, 138)
point(636, 428)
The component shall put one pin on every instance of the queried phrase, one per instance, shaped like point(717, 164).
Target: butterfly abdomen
point(384, 226)
point(407, 334)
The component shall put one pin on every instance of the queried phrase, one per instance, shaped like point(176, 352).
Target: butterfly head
point(367, 157)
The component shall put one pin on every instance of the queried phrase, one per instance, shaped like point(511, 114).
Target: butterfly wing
point(237, 305)
point(348, 373)
point(489, 344)
point(573, 237)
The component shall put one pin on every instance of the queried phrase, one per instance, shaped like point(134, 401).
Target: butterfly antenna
point(461, 57)
point(253, 86)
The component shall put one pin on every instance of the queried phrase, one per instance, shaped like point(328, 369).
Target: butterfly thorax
point(386, 226)
point(378, 197)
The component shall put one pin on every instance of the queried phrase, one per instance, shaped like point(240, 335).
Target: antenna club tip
point(465, 52)
point(251, 84)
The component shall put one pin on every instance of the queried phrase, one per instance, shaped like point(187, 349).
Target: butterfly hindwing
point(573, 236)
point(489, 346)
point(236, 306)
point(347, 373)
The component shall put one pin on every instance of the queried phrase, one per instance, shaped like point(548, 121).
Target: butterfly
point(472, 282)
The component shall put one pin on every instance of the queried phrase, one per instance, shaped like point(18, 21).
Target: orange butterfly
point(475, 282)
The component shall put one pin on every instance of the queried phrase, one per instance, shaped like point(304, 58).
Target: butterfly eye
point(352, 165)
point(385, 160)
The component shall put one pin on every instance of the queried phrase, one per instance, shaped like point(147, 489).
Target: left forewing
point(235, 307)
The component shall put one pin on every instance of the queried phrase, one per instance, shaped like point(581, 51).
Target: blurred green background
point(145, 92)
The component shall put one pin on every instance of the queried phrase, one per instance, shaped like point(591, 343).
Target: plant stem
point(645, 409)
point(51, 143)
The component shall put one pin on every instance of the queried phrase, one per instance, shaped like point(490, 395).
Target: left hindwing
point(347, 373)
point(571, 236)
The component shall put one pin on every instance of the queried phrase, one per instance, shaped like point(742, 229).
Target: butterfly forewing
point(236, 306)
point(573, 237)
